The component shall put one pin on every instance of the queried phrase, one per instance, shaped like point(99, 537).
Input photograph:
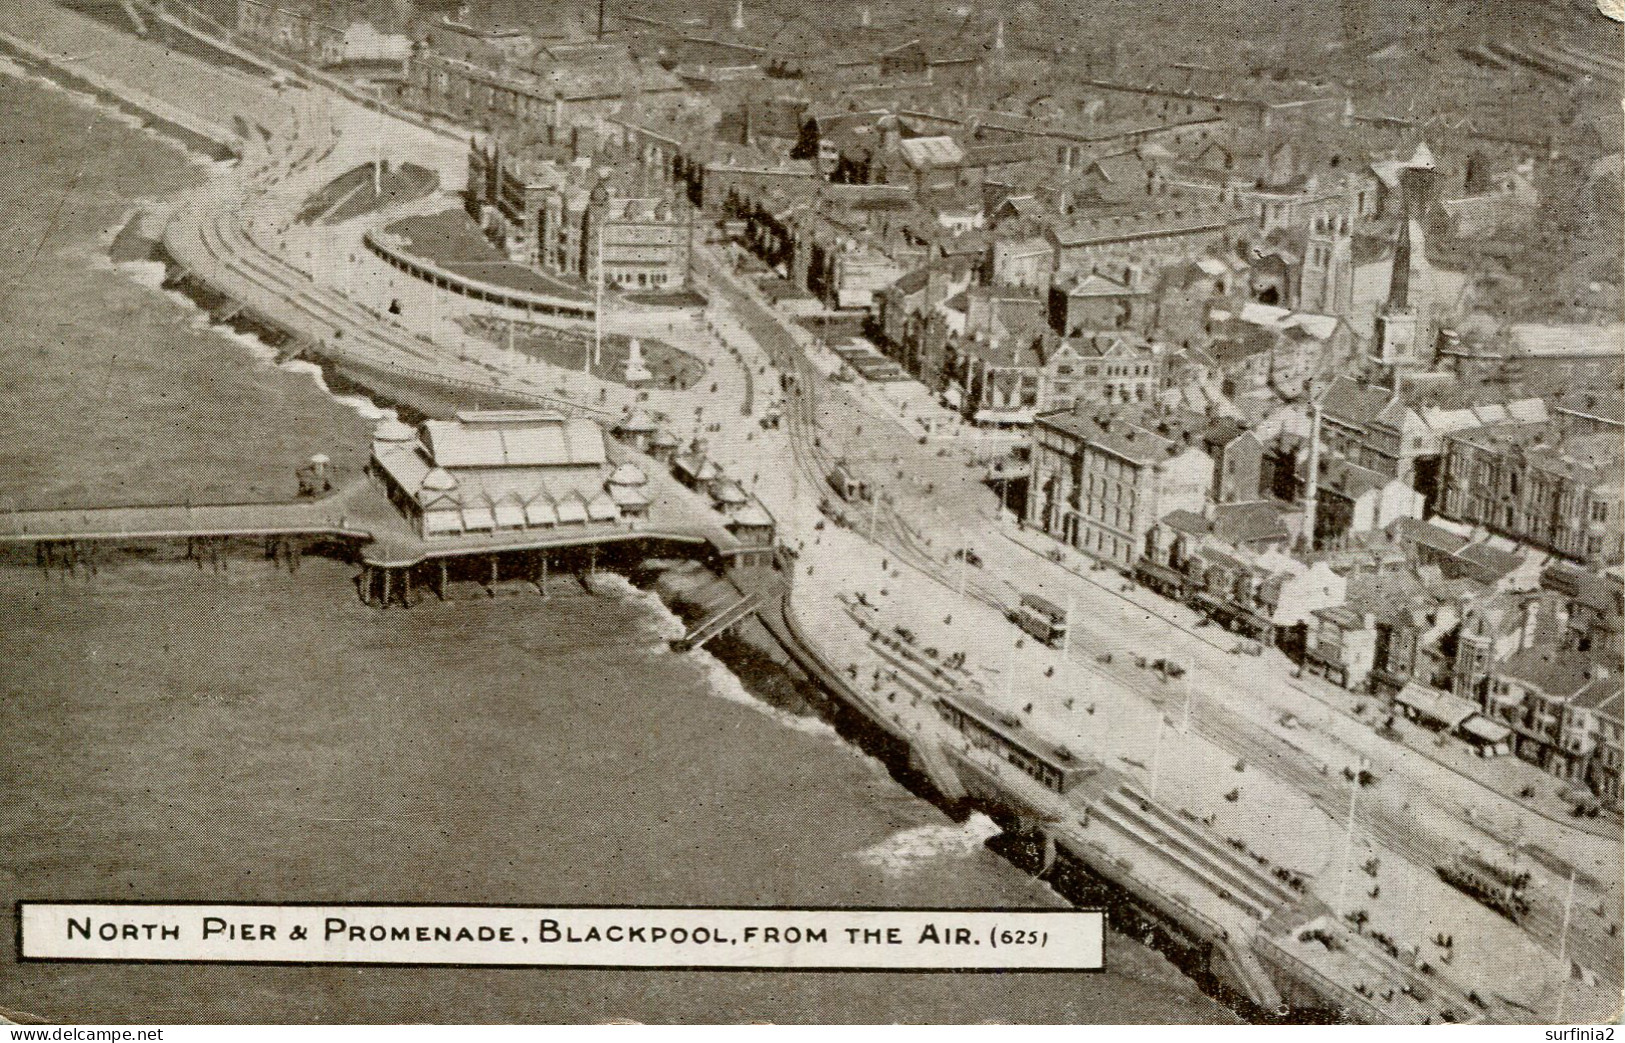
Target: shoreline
point(752, 662)
point(762, 666)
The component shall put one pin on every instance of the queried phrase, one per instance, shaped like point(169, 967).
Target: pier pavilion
point(488, 496)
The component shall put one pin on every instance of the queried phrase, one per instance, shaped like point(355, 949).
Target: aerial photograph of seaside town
point(1149, 457)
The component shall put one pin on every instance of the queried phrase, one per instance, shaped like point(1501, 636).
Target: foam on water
point(16, 71)
point(910, 850)
point(720, 681)
point(151, 274)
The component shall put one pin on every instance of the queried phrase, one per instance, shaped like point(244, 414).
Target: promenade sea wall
point(904, 858)
point(191, 130)
point(353, 781)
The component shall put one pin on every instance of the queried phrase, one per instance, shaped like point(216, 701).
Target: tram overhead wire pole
point(1348, 842)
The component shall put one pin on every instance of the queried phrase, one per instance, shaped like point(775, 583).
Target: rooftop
point(1121, 433)
point(1563, 675)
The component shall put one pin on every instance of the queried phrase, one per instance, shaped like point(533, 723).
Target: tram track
point(1399, 832)
point(1256, 746)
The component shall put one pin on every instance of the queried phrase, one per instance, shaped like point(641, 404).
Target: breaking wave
point(18, 71)
point(913, 849)
point(150, 274)
point(721, 682)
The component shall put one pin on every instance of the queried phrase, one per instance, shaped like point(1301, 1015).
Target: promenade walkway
point(70, 69)
point(157, 80)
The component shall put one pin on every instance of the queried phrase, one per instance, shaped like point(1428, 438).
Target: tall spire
point(739, 16)
point(998, 38)
point(1416, 180)
point(1399, 282)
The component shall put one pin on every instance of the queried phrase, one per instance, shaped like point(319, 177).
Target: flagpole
point(1563, 950)
point(1348, 846)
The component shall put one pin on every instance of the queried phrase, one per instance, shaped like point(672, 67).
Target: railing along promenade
point(177, 521)
point(420, 267)
point(218, 251)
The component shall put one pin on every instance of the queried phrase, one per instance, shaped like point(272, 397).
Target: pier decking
point(361, 515)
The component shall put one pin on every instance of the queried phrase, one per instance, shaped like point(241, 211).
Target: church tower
point(1402, 333)
point(1326, 279)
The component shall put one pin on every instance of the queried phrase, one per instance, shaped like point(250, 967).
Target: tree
point(808, 144)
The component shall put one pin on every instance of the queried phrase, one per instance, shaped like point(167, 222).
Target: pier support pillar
point(442, 590)
point(406, 591)
point(387, 584)
point(491, 587)
point(1046, 860)
point(364, 585)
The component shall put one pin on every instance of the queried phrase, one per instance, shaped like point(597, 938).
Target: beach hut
point(727, 496)
point(752, 524)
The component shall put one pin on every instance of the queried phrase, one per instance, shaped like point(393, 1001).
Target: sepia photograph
point(886, 512)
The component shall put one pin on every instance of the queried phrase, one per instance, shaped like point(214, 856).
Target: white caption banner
point(698, 938)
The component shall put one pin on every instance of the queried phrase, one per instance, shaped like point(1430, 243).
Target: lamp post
point(1348, 842)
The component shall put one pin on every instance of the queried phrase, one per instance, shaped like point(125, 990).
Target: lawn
point(672, 367)
point(452, 241)
point(351, 194)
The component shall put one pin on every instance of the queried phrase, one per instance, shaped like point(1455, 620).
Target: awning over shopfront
point(1431, 704)
point(1485, 730)
point(1150, 571)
